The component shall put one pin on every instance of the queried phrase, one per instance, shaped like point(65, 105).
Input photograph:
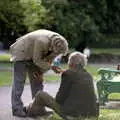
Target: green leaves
point(36, 16)
point(11, 19)
point(80, 22)
point(72, 20)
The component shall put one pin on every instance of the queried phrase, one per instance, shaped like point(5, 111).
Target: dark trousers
point(21, 69)
point(42, 99)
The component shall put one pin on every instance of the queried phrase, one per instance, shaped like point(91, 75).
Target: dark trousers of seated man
point(43, 99)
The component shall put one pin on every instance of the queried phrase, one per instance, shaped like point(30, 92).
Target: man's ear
point(71, 65)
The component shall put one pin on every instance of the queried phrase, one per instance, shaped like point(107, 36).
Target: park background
point(84, 23)
point(93, 23)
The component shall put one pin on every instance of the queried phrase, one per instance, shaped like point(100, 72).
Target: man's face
point(51, 56)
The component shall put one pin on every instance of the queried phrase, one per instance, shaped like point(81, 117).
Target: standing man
point(33, 53)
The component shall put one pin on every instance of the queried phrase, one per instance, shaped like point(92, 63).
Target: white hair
point(77, 58)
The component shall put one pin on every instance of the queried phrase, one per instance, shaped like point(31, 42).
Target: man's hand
point(56, 69)
point(38, 75)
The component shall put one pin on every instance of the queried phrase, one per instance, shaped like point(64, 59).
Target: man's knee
point(41, 95)
point(45, 98)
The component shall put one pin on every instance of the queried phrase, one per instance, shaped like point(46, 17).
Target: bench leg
point(103, 96)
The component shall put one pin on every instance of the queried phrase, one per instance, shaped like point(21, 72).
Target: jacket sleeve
point(38, 57)
point(64, 89)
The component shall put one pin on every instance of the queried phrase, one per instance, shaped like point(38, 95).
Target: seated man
point(75, 97)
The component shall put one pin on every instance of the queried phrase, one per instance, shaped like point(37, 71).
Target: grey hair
point(77, 58)
point(59, 44)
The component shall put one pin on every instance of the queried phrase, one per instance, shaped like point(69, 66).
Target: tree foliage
point(113, 15)
point(82, 22)
point(36, 16)
point(73, 22)
point(11, 21)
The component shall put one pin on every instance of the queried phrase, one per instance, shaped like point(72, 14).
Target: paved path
point(5, 100)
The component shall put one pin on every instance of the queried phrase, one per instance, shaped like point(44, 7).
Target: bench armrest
point(108, 73)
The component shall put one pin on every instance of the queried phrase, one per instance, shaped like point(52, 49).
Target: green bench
point(108, 83)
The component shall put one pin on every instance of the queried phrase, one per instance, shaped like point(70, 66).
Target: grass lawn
point(105, 114)
point(114, 51)
point(4, 56)
point(6, 78)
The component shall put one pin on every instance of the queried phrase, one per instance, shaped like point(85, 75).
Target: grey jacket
point(34, 46)
point(76, 94)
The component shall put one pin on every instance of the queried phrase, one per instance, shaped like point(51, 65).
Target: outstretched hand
point(56, 69)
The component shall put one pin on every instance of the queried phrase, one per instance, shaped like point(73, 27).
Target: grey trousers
point(21, 69)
